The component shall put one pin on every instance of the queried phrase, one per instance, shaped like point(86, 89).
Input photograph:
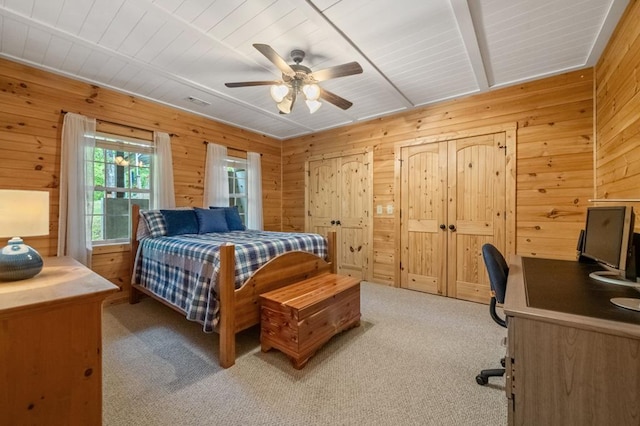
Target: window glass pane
point(98, 196)
point(96, 229)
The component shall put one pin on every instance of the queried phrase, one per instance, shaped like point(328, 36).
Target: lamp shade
point(22, 213)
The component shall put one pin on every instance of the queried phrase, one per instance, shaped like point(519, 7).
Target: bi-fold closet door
point(453, 200)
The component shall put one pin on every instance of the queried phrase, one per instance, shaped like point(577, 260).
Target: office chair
point(498, 273)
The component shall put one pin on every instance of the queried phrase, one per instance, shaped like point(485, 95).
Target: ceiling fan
point(298, 79)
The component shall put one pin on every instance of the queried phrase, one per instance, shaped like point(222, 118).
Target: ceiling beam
point(469, 38)
point(610, 22)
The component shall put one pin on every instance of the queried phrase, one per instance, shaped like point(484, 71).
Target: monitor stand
point(627, 303)
point(623, 302)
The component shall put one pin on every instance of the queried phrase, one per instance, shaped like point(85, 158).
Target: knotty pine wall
point(554, 117)
point(617, 76)
point(31, 101)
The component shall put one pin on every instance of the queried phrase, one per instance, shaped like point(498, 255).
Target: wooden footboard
point(240, 309)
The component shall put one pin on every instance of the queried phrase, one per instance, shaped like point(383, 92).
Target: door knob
point(333, 222)
point(452, 227)
point(443, 226)
point(338, 222)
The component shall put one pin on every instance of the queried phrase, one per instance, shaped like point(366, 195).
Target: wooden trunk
point(300, 318)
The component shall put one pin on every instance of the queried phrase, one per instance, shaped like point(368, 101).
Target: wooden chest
point(300, 318)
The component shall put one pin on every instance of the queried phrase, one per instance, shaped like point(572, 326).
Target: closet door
point(338, 198)
point(423, 215)
point(453, 200)
point(476, 211)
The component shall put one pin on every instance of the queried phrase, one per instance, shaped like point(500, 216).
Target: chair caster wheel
point(481, 380)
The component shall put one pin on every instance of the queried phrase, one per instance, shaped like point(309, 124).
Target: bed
point(233, 288)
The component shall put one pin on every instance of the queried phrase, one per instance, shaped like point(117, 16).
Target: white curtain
point(216, 179)
point(163, 191)
point(254, 191)
point(76, 188)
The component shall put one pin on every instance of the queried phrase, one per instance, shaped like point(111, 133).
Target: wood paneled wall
point(31, 101)
point(554, 117)
point(617, 77)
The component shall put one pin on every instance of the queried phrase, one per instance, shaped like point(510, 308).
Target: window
point(237, 171)
point(122, 170)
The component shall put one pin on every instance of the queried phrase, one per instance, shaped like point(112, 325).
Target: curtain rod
point(235, 149)
point(120, 124)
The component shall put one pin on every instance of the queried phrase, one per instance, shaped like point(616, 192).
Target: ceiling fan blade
point(276, 59)
point(252, 83)
point(332, 98)
point(338, 71)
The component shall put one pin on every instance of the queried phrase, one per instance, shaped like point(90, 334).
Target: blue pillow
point(180, 222)
point(211, 220)
point(234, 221)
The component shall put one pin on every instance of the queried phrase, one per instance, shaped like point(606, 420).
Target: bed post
point(333, 258)
point(227, 326)
point(134, 295)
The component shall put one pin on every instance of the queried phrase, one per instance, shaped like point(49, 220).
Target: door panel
point(423, 188)
point(476, 208)
point(354, 189)
point(322, 193)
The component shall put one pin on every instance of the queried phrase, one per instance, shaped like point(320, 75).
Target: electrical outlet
point(389, 208)
point(379, 209)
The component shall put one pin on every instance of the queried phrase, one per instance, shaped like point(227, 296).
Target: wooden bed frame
point(239, 308)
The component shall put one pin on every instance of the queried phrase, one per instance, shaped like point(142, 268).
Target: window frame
point(232, 162)
point(114, 142)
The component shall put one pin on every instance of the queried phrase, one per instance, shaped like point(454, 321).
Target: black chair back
point(498, 270)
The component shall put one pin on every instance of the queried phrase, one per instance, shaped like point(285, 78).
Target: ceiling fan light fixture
point(279, 92)
point(313, 105)
point(311, 92)
point(284, 106)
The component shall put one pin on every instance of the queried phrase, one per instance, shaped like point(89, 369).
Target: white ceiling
point(413, 52)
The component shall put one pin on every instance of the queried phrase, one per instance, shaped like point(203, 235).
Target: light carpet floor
point(413, 361)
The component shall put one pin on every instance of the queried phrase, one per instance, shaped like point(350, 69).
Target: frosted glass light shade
point(313, 106)
point(22, 213)
point(278, 92)
point(285, 105)
point(311, 92)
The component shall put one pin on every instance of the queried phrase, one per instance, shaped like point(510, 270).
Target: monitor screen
point(607, 234)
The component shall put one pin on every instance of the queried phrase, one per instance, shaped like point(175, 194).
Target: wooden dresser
point(51, 346)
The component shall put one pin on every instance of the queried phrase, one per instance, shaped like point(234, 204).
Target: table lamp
point(22, 214)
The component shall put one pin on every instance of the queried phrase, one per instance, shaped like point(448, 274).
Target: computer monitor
point(609, 240)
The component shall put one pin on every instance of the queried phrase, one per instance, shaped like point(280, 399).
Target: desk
point(51, 346)
point(569, 363)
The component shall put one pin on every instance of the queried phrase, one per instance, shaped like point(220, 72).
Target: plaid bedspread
point(183, 270)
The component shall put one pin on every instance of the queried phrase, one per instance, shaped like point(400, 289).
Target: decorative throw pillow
point(234, 221)
point(211, 220)
point(180, 222)
point(155, 222)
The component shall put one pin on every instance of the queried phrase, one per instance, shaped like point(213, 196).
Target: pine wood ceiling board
point(412, 45)
point(519, 39)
